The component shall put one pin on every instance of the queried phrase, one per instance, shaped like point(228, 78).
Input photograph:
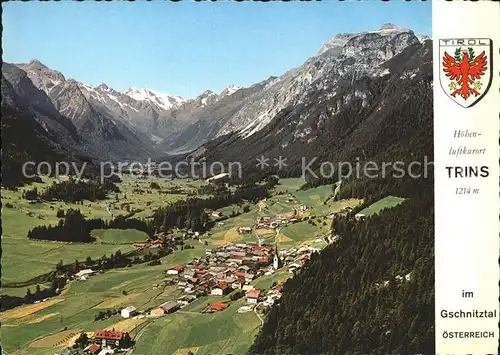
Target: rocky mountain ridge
point(136, 123)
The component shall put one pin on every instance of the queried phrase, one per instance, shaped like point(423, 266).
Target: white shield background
point(445, 45)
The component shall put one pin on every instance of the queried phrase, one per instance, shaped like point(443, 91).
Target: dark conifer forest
point(75, 228)
point(371, 292)
point(73, 190)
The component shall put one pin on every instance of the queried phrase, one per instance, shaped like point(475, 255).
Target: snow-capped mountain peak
point(163, 101)
point(231, 89)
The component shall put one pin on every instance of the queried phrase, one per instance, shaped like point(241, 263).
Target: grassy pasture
point(386, 202)
point(118, 236)
point(26, 259)
point(221, 332)
point(188, 330)
point(76, 309)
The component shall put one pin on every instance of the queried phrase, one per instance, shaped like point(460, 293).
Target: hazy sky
point(184, 48)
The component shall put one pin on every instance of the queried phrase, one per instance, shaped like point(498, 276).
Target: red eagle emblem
point(464, 70)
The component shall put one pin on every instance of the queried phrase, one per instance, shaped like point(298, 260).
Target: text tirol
point(465, 42)
point(467, 171)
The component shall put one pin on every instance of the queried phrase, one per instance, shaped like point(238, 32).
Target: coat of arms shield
point(465, 69)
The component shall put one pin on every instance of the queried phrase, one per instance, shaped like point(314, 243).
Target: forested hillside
point(372, 290)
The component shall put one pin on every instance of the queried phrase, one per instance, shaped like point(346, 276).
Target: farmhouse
point(83, 274)
point(111, 338)
point(216, 214)
point(222, 289)
point(128, 312)
point(175, 269)
point(239, 283)
point(253, 295)
point(217, 177)
point(167, 307)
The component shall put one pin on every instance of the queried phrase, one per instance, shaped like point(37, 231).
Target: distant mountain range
point(275, 114)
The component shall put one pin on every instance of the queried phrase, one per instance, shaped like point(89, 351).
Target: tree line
point(75, 228)
point(73, 190)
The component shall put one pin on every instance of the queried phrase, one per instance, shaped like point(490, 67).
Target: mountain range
point(362, 97)
point(349, 72)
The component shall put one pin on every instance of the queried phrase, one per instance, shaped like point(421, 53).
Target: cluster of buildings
point(160, 310)
point(149, 244)
point(268, 222)
point(224, 269)
point(169, 240)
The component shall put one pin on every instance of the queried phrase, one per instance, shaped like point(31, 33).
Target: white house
point(253, 296)
point(128, 312)
point(217, 177)
point(84, 273)
point(217, 291)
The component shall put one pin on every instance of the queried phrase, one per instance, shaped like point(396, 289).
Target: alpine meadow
point(290, 213)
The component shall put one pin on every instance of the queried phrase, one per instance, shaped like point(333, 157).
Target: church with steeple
point(276, 259)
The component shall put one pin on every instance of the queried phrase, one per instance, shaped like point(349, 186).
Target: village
point(226, 270)
point(233, 270)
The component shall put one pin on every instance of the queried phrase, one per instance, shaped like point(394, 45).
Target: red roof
point(108, 334)
point(239, 274)
point(177, 267)
point(158, 241)
point(197, 267)
point(253, 293)
point(263, 260)
point(223, 284)
point(218, 306)
point(94, 348)
point(279, 288)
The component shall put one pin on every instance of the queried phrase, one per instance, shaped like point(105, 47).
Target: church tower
point(276, 259)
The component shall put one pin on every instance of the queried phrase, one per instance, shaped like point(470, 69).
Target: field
point(30, 258)
point(47, 327)
point(220, 333)
point(84, 299)
point(137, 193)
point(118, 236)
point(289, 185)
point(386, 202)
point(27, 310)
